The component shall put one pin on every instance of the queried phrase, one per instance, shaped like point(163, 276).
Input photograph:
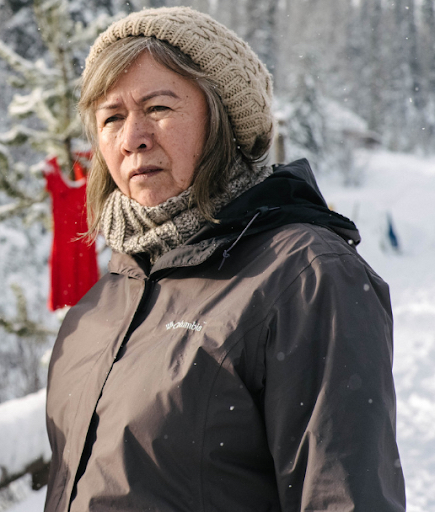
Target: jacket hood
point(289, 195)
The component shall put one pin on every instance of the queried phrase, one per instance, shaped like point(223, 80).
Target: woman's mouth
point(144, 172)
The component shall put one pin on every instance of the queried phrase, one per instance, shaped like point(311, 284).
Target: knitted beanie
point(244, 82)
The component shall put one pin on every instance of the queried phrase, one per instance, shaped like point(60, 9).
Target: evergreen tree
point(48, 100)
point(45, 122)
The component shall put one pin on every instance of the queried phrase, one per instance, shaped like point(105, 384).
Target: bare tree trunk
point(375, 66)
point(428, 63)
point(261, 29)
point(414, 58)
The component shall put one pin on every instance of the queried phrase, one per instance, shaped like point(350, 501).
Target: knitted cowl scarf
point(131, 228)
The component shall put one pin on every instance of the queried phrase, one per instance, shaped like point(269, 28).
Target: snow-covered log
point(24, 446)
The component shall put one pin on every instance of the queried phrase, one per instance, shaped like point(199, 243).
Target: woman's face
point(151, 131)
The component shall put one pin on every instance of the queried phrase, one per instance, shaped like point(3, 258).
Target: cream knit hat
point(244, 82)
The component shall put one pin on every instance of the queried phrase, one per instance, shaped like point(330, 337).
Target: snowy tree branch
point(35, 72)
point(21, 325)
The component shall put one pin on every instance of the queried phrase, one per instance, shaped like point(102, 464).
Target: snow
point(402, 186)
point(341, 118)
point(23, 437)
point(34, 503)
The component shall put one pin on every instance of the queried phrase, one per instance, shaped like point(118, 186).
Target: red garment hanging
point(73, 262)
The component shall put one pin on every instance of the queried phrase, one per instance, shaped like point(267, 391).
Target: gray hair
point(220, 151)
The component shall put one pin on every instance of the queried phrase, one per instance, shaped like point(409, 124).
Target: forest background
point(347, 74)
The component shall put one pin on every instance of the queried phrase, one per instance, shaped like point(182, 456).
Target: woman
point(237, 357)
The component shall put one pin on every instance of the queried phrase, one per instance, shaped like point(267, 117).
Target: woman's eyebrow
point(144, 99)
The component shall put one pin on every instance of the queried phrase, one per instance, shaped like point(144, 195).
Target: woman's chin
point(149, 198)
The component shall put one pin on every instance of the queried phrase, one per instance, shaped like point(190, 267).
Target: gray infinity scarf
point(131, 228)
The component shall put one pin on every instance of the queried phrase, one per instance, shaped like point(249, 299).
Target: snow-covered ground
point(402, 186)
point(23, 437)
point(34, 503)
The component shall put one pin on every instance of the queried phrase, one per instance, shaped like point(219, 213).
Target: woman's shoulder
point(107, 299)
point(294, 251)
point(308, 241)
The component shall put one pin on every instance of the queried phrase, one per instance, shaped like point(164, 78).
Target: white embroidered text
point(184, 325)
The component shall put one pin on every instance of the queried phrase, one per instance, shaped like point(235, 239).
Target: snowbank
point(23, 437)
point(34, 503)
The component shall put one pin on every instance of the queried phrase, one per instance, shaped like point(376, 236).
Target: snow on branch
point(26, 329)
point(17, 135)
point(91, 31)
point(34, 72)
point(21, 325)
point(7, 211)
point(10, 185)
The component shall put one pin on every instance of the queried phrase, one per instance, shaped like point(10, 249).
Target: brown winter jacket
point(262, 384)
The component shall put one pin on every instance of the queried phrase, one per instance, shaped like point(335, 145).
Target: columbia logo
point(184, 325)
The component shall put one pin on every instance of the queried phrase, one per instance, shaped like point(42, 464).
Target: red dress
point(73, 263)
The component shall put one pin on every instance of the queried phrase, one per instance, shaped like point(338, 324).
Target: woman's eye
point(159, 108)
point(111, 119)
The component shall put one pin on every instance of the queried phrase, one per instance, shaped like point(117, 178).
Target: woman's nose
point(137, 135)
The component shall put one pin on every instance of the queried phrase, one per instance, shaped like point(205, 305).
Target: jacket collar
point(138, 267)
point(128, 265)
point(290, 195)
